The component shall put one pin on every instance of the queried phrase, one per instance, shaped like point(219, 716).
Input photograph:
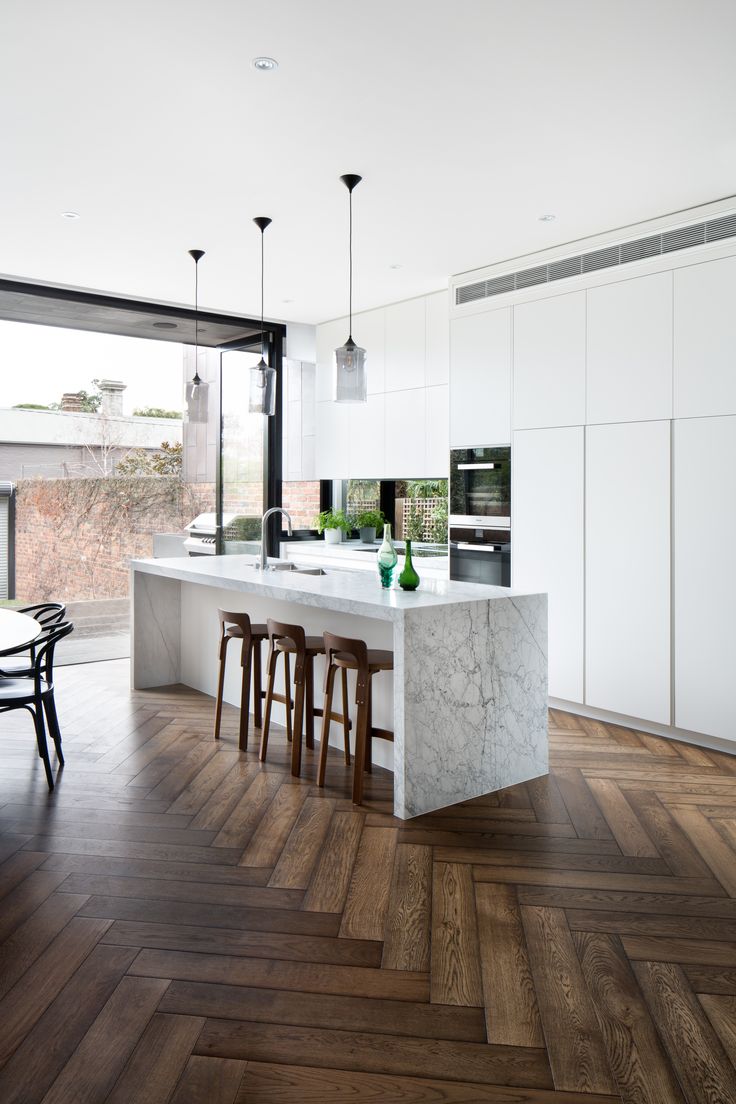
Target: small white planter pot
point(333, 536)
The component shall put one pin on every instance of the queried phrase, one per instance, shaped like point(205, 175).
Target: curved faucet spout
point(262, 561)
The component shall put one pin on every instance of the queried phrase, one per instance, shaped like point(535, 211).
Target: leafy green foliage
point(369, 519)
point(332, 519)
point(167, 461)
point(155, 412)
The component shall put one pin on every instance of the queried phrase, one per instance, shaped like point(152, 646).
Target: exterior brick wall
point(74, 538)
point(302, 502)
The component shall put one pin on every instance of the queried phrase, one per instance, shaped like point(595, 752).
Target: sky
point(39, 363)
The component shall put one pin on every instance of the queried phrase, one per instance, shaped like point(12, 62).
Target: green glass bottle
point(408, 579)
point(387, 558)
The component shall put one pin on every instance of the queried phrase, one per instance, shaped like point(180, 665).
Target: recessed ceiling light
point(547, 218)
point(265, 64)
point(165, 326)
point(69, 215)
point(395, 266)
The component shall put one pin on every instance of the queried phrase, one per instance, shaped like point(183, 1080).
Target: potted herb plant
point(367, 522)
point(333, 524)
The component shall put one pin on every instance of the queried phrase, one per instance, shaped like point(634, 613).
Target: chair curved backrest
point(46, 613)
point(45, 644)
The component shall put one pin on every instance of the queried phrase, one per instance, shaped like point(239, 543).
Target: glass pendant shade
point(351, 384)
point(262, 389)
point(196, 398)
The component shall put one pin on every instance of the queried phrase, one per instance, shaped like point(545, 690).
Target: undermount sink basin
point(287, 565)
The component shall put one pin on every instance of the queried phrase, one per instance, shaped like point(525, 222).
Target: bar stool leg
point(368, 765)
point(257, 688)
point(224, 641)
point(309, 709)
point(325, 736)
point(296, 747)
point(270, 679)
point(244, 697)
point(360, 748)
point(345, 717)
point(287, 695)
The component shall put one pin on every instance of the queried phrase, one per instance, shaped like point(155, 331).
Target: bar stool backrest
point(279, 630)
point(358, 652)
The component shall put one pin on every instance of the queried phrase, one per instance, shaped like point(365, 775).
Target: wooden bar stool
point(291, 640)
point(237, 626)
point(346, 655)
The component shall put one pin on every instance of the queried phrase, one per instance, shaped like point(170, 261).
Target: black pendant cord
point(350, 255)
point(263, 336)
point(196, 255)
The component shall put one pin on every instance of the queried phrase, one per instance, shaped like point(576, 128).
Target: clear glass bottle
point(387, 558)
point(408, 579)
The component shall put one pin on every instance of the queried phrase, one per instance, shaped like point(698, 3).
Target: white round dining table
point(17, 630)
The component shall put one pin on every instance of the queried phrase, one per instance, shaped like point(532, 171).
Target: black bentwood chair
point(47, 614)
point(35, 693)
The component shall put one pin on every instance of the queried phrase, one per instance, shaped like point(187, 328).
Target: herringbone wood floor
point(181, 925)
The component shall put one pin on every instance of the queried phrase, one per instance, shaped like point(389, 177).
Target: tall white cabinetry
point(480, 379)
point(549, 362)
point(547, 552)
point(705, 591)
point(705, 339)
point(627, 547)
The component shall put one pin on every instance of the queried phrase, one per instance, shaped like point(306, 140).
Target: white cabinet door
point(630, 350)
point(332, 428)
point(547, 542)
point(437, 369)
point(367, 434)
point(406, 327)
point(437, 463)
point(705, 339)
point(549, 362)
point(705, 591)
point(480, 379)
point(406, 434)
point(329, 336)
point(369, 331)
point(627, 549)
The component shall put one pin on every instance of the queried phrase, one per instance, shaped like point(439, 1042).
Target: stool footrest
point(382, 734)
point(337, 717)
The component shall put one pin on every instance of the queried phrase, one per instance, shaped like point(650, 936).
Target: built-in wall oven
point(480, 515)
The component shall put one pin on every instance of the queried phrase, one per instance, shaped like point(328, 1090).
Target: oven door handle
point(476, 467)
point(466, 547)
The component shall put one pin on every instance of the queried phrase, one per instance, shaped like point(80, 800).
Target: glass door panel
point(243, 459)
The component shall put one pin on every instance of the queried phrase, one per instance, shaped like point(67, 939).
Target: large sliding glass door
point(242, 491)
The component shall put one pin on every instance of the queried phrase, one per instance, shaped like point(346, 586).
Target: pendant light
point(262, 392)
point(350, 377)
point(196, 389)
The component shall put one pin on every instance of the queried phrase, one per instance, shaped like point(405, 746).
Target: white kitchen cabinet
point(329, 336)
point(627, 547)
point(332, 426)
point(547, 551)
point(549, 362)
point(704, 588)
point(480, 379)
point(629, 375)
point(406, 337)
point(437, 364)
point(369, 331)
point(366, 447)
point(705, 339)
point(406, 420)
point(437, 443)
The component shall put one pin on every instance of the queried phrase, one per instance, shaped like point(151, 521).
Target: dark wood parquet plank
point(407, 933)
point(158, 1060)
point(364, 915)
point(214, 1080)
point(329, 885)
point(693, 1047)
point(301, 851)
point(455, 967)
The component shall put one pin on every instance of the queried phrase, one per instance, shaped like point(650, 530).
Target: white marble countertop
point(342, 590)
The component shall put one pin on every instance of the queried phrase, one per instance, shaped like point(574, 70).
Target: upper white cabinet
point(366, 447)
point(369, 331)
point(329, 336)
point(549, 362)
point(705, 339)
point(331, 441)
point(437, 364)
point(547, 542)
point(406, 430)
point(629, 340)
point(705, 593)
point(480, 379)
point(406, 342)
point(627, 548)
point(437, 443)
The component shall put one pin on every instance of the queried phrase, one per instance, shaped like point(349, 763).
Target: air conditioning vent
point(684, 237)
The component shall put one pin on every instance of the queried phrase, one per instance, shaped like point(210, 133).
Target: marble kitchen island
point(468, 698)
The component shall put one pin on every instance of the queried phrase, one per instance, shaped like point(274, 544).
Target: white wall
point(62, 427)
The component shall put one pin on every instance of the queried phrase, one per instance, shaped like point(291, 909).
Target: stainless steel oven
point(480, 487)
point(480, 555)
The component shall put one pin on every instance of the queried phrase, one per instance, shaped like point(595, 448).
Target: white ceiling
point(467, 119)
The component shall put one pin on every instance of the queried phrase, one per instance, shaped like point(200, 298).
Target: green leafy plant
point(370, 519)
point(415, 524)
point(155, 412)
point(332, 519)
point(167, 461)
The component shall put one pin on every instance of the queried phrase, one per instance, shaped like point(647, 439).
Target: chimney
point(112, 397)
point(71, 401)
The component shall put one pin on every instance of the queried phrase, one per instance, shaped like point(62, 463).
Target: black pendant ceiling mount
point(262, 390)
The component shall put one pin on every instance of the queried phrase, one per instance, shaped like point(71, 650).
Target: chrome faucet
point(262, 561)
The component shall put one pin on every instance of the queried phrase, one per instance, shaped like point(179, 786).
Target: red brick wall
point(302, 502)
point(74, 538)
